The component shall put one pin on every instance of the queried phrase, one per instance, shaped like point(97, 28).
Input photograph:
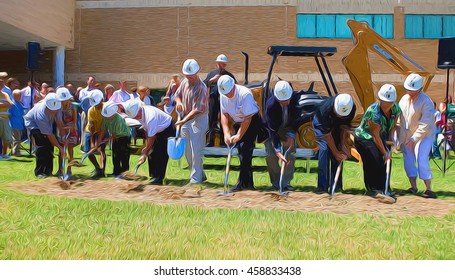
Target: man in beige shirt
point(415, 133)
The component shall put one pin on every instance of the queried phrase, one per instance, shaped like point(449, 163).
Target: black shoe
point(156, 181)
point(429, 194)
point(41, 176)
point(236, 189)
point(319, 191)
point(273, 189)
point(289, 188)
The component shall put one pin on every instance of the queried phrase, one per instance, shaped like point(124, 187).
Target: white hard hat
point(109, 109)
point(413, 82)
point(225, 84)
point(190, 67)
point(96, 96)
point(387, 93)
point(132, 107)
point(52, 102)
point(222, 58)
point(343, 104)
point(283, 91)
point(63, 94)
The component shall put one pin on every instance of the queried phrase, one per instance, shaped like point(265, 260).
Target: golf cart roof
point(301, 51)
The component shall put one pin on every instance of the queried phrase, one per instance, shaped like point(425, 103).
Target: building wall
point(148, 44)
point(50, 20)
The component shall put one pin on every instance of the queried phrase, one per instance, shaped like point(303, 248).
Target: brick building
point(144, 41)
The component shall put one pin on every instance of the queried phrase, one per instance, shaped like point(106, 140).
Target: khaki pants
point(17, 137)
point(194, 131)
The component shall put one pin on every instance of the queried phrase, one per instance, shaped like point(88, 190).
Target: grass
point(45, 227)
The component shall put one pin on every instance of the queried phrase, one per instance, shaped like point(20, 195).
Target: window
point(429, 26)
point(334, 26)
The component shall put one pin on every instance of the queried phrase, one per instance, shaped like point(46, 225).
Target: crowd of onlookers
point(65, 116)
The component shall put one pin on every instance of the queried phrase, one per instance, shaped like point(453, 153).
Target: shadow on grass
point(233, 167)
point(21, 160)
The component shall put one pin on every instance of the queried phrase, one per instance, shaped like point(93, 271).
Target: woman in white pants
point(416, 128)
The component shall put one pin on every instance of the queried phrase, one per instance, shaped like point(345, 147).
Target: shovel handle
point(228, 167)
point(387, 178)
point(337, 176)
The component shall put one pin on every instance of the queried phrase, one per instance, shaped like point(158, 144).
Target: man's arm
point(242, 130)
point(225, 127)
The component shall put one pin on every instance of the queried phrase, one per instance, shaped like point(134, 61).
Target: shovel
point(64, 176)
point(226, 192)
point(283, 166)
point(387, 178)
point(176, 145)
point(337, 176)
point(79, 164)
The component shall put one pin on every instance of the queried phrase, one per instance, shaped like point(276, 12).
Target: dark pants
point(374, 167)
point(327, 164)
point(44, 153)
point(245, 147)
point(158, 158)
point(214, 110)
point(121, 154)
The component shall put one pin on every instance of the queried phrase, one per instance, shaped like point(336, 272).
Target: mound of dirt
point(208, 198)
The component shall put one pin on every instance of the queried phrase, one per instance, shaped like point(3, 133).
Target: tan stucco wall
point(51, 20)
point(148, 44)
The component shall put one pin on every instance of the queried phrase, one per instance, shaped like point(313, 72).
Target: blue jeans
point(327, 164)
point(435, 148)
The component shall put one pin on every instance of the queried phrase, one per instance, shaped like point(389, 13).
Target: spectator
point(167, 102)
point(17, 122)
point(108, 91)
point(5, 128)
point(121, 95)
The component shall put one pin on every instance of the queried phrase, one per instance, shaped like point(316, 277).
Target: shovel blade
point(176, 147)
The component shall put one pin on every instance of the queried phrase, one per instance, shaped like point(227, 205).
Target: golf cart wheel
point(305, 136)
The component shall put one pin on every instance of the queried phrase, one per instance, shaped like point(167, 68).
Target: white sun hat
point(283, 91)
point(132, 107)
point(343, 104)
point(52, 102)
point(96, 96)
point(222, 58)
point(109, 109)
point(190, 67)
point(413, 82)
point(387, 93)
point(225, 84)
point(63, 94)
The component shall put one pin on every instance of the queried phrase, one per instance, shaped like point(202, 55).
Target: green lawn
point(45, 227)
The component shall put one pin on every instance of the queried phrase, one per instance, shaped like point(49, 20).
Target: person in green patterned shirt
point(120, 132)
point(370, 138)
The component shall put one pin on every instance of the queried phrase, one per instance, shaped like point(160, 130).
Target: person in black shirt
point(214, 98)
point(331, 123)
point(280, 119)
